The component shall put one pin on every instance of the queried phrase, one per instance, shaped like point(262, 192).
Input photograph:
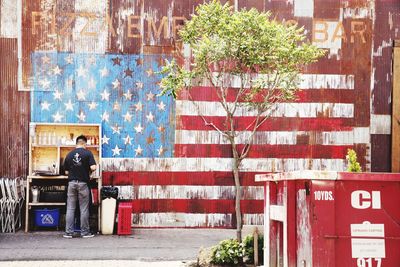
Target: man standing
point(78, 164)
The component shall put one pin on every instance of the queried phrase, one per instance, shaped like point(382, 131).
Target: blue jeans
point(77, 191)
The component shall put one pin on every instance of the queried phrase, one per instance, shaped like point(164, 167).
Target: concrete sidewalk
point(121, 263)
point(148, 245)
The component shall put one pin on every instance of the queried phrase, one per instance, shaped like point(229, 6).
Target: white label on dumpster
point(323, 195)
point(367, 248)
point(367, 229)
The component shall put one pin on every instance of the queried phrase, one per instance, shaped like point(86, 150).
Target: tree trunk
point(237, 201)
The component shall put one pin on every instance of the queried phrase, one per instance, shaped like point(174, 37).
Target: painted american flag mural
point(162, 156)
point(120, 92)
point(176, 170)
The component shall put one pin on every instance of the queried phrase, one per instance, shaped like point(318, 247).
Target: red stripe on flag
point(178, 178)
point(206, 93)
point(271, 124)
point(330, 66)
point(263, 151)
point(195, 205)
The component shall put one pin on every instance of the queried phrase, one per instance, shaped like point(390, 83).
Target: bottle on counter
point(53, 138)
point(89, 140)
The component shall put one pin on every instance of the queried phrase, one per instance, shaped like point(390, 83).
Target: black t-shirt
point(78, 163)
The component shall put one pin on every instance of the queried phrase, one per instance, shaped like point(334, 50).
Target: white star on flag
point(45, 105)
point(57, 95)
point(105, 95)
point(138, 150)
point(45, 59)
point(69, 105)
point(150, 117)
point(44, 83)
point(150, 96)
point(103, 72)
point(116, 84)
point(161, 128)
point(92, 83)
point(57, 117)
point(81, 95)
point(105, 139)
point(69, 59)
point(127, 116)
point(139, 106)
point(128, 95)
point(116, 151)
point(139, 85)
point(105, 116)
point(92, 105)
point(160, 151)
point(139, 128)
point(81, 71)
point(127, 140)
point(116, 129)
point(149, 72)
point(81, 116)
point(116, 106)
point(57, 70)
point(161, 106)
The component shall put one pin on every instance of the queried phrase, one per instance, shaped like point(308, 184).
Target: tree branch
point(206, 123)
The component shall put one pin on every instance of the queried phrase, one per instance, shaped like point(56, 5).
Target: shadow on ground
point(143, 245)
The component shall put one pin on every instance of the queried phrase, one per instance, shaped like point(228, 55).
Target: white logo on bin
point(361, 199)
point(47, 219)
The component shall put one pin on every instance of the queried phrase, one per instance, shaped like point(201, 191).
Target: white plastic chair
point(13, 204)
point(7, 207)
point(3, 207)
point(17, 186)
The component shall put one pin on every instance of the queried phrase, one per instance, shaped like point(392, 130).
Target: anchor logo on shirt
point(77, 159)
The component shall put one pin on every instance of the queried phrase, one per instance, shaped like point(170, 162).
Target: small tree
point(264, 55)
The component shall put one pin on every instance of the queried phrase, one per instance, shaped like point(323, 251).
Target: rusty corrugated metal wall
point(386, 30)
point(15, 107)
point(346, 101)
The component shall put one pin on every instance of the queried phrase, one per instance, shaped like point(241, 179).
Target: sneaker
point(88, 235)
point(67, 235)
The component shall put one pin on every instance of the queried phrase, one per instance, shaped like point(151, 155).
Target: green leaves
point(247, 41)
point(352, 164)
point(176, 77)
point(229, 251)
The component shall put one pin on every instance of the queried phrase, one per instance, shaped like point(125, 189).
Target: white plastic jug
point(108, 206)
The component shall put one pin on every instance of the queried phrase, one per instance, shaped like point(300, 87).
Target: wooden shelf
point(54, 177)
point(46, 204)
point(72, 146)
point(42, 156)
point(63, 146)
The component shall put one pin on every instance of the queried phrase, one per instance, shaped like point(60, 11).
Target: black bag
point(109, 191)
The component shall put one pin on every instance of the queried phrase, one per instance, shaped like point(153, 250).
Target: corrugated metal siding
point(386, 30)
point(14, 114)
point(364, 58)
point(342, 61)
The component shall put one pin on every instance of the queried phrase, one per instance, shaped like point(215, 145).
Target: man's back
point(78, 163)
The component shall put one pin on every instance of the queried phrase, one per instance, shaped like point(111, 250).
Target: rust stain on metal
point(15, 114)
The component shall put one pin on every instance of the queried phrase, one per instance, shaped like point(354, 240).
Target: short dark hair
point(81, 137)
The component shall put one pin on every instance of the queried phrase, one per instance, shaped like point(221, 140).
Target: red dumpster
point(323, 219)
